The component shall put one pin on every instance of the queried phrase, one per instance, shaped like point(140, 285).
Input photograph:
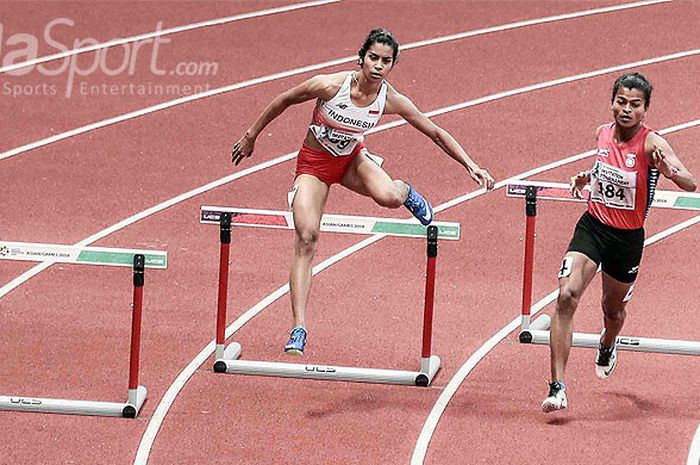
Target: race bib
point(339, 143)
point(613, 187)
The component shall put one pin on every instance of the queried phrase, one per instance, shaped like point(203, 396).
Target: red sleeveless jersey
point(623, 180)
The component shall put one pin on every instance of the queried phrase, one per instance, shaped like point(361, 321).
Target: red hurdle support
point(528, 264)
point(130, 411)
point(226, 359)
point(137, 394)
point(225, 238)
point(432, 250)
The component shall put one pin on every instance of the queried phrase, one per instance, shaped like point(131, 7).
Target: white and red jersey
point(339, 125)
point(623, 180)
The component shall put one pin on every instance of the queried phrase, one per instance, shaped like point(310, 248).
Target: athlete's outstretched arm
point(667, 162)
point(317, 86)
point(401, 105)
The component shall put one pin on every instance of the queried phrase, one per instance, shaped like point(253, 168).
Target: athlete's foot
point(606, 359)
point(556, 400)
point(297, 341)
point(419, 206)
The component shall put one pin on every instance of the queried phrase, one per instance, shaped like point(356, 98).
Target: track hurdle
point(138, 260)
point(538, 332)
point(226, 359)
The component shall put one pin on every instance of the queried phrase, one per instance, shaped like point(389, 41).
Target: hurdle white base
point(77, 407)
point(230, 364)
point(539, 334)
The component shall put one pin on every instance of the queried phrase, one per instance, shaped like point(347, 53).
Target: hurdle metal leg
point(538, 331)
point(227, 358)
point(137, 394)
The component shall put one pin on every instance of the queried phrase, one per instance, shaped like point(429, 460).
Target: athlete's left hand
point(659, 160)
point(242, 149)
point(482, 177)
point(577, 183)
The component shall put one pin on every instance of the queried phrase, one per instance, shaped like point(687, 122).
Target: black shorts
point(617, 251)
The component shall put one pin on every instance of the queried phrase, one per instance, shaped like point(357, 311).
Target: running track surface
point(65, 331)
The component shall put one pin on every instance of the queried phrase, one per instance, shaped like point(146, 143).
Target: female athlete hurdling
point(347, 104)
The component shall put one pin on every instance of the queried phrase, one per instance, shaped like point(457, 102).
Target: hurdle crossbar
point(675, 200)
point(34, 252)
point(226, 358)
point(538, 332)
point(93, 256)
point(329, 223)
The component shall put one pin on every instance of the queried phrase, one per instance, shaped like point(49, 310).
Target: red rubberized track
point(65, 332)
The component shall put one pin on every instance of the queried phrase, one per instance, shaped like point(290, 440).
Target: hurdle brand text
point(319, 369)
point(110, 61)
point(23, 401)
point(628, 341)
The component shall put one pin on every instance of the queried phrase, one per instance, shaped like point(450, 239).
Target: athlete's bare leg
point(614, 307)
point(367, 178)
point(307, 208)
point(575, 275)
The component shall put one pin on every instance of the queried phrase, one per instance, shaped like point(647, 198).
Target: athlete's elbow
point(439, 136)
point(689, 185)
point(693, 185)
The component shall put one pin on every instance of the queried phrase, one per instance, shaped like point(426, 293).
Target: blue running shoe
point(419, 206)
point(297, 341)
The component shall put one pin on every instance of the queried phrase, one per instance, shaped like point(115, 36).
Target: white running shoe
point(606, 360)
point(556, 400)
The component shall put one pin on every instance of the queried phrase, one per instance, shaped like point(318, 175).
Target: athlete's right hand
point(242, 149)
point(578, 182)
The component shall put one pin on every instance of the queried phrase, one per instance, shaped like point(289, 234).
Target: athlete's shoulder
point(603, 127)
point(396, 102)
point(391, 91)
point(327, 85)
point(653, 139)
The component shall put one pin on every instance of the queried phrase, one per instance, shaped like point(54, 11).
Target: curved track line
point(151, 35)
point(132, 219)
point(174, 389)
point(426, 434)
point(694, 454)
point(144, 214)
point(309, 68)
point(139, 216)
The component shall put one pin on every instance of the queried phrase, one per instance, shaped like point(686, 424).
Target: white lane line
point(431, 422)
point(163, 32)
point(156, 420)
point(694, 454)
point(144, 214)
point(533, 22)
point(157, 208)
point(178, 384)
point(302, 70)
point(490, 98)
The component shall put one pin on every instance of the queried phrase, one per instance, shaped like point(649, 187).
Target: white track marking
point(318, 66)
point(694, 454)
point(132, 219)
point(532, 22)
point(151, 35)
point(426, 434)
point(144, 214)
point(178, 384)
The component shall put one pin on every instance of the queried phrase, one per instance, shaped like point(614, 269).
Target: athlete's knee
point(393, 196)
point(613, 311)
point(568, 299)
point(306, 241)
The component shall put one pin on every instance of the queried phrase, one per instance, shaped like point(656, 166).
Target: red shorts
point(323, 165)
